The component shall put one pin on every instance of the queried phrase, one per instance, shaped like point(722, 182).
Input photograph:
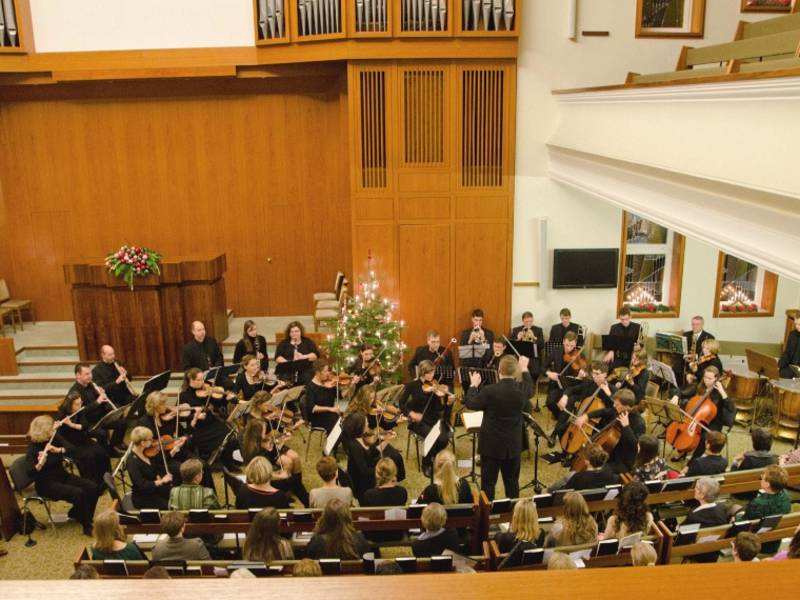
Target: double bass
point(700, 410)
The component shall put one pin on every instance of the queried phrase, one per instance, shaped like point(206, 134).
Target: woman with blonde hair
point(334, 535)
point(259, 492)
point(575, 527)
point(44, 464)
point(264, 543)
point(386, 491)
point(643, 555)
point(523, 534)
point(447, 487)
point(110, 541)
point(149, 476)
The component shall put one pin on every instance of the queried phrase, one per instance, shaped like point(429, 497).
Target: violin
point(607, 438)
point(434, 387)
point(700, 410)
point(373, 437)
point(165, 443)
point(340, 379)
point(215, 392)
point(575, 360)
point(385, 412)
point(285, 415)
point(575, 437)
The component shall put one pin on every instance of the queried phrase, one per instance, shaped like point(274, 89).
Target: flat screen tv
point(590, 268)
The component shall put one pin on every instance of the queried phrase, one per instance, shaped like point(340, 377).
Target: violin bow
point(574, 416)
point(161, 446)
point(683, 412)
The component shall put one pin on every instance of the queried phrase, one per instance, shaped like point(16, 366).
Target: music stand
point(523, 348)
point(671, 342)
point(430, 441)
point(155, 384)
point(767, 368)
point(538, 432)
point(472, 351)
point(333, 438)
point(110, 416)
point(472, 423)
point(665, 413)
point(663, 371)
point(618, 344)
point(290, 370)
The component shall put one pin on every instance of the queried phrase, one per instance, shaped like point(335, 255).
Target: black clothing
point(638, 385)
point(201, 355)
point(300, 372)
point(316, 548)
point(432, 409)
point(631, 332)
point(701, 368)
point(725, 410)
point(247, 389)
point(536, 362)
point(558, 331)
point(90, 457)
point(464, 341)
point(508, 543)
point(434, 546)
point(248, 497)
point(710, 516)
point(361, 463)
point(432, 493)
point(55, 483)
point(491, 360)
point(95, 411)
point(209, 433)
point(557, 364)
point(790, 356)
point(591, 480)
point(146, 494)
point(105, 375)
point(318, 395)
point(756, 460)
point(623, 456)
point(186, 452)
point(389, 496)
point(698, 346)
point(575, 394)
point(358, 368)
point(256, 344)
point(424, 353)
point(708, 464)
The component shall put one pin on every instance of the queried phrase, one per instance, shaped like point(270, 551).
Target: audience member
point(435, 538)
point(190, 494)
point(334, 535)
point(523, 534)
point(328, 470)
point(576, 526)
point(110, 542)
point(175, 546)
point(259, 493)
point(643, 555)
point(745, 547)
point(631, 515)
point(263, 542)
point(447, 487)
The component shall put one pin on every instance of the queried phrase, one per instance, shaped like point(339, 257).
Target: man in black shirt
point(432, 352)
point(112, 377)
point(694, 345)
point(791, 356)
point(624, 329)
point(559, 330)
point(760, 456)
point(203, 352)
point(708, 514)
point(476, 336)
point(712, 462)
point(97, 406)
point(529, 332)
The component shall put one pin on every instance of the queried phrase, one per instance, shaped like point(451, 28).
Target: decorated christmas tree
point(367, 319)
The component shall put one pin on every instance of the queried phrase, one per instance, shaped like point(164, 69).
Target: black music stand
point(538, 432)
point(767, 368)
point(618, 344)
point(155, 384)
point(290, 370)
point(110, 416)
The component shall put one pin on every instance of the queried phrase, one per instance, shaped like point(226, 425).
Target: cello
point(700, 411)
point(607, 438)
point(575, 437)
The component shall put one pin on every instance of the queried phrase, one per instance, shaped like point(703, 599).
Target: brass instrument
point(644, 328)
point(527, 334)
point(477, 336)
point(127, 381)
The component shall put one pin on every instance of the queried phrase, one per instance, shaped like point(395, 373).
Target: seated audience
point(386, 491)
point(708, 513)
point(560, 562)
point(435, 538)
point(242, 574)
point(264, 543)
point(773, 499)
point(643, 555)
point(191, 494)
point(334, 535)
point(576, 526)
point(649, 465)
point(328, 471)
point(447, 487)
point(259, 493)
point(523, 534)
point(712, 462)
point(745, 547)
point(85, 572)
point(793, 551)
point(631, 515)
point(598, 475)
point(110, 542)
point(156, 572)
point(175, 546)
point(760, 456)
point(790, 458)
point(307, 568)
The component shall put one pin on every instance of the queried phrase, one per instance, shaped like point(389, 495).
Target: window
point(651, 268)
point(744, 289)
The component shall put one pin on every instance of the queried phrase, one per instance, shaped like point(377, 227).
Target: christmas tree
point(367, 319)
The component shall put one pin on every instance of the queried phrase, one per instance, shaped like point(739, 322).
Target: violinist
point(90, 457)
point(251, 379)
point(260, 407)
point(149, 476)
point(322, 409)
point(365, 447)
point(97, 406)
point(570, 365)
point(295, 355)
point(635, 378)
point(725, 408)
point(365, 369)
point(694, 345)
point(425, 409)
point(791, 356)
point(113, 378)
point(708, 357)
point(378, 415)
point(564, 326)
point(623, 456)
point(624, 329)
point(476, 336)
point(439, 355)
point(209, 432)
point(528, 332)
point(44, 464)
point(502, 428)
point(202, 352)
point(253, 344)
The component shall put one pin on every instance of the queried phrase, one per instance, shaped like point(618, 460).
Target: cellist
point(725, 408)
point(573, 395)
point(623, 456)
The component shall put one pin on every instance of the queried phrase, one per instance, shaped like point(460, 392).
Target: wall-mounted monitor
point(585, 268)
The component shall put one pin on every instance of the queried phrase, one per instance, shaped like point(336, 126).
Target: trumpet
point(527, 335)
point(477, 336)
point(127, 381)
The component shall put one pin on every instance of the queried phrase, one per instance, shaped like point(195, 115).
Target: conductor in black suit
point(502, 427)
point(624, 329)
point(203, 352)
point(791, 356)
point(529, 332)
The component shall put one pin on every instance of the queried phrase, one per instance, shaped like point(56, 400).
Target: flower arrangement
point(739, 307)
point(649, 307)
point(133, 261)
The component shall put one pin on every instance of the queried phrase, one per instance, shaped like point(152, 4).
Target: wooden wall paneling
point(8, 357)
point(423, 115)
point(482, 207)
point(173, 322)
point(136, 334)
point(373, 209)
point(380, 241)
point(22, 17)
point(416, 208)
point(425, 280)
point(90, 323)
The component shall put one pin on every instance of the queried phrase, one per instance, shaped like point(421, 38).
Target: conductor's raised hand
point(524, 361)
point(474, 379)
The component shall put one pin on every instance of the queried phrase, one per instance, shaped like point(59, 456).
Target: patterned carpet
point(56, 550)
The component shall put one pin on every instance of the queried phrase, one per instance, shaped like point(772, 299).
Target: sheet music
point(472, 351)
point(472, 420)
point(430, 439)
point(333, 437)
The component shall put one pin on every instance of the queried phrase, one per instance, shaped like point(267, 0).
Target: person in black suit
point(475, 336)
point(708, 514)
point(98, 405)
point(202, 352)
point(502, 428)
point(571, 397)
point(436, 538)
point(712, 462)
point(431, 352)
point(694, 345)
point(624, 329)
point(112, 377)
point(791, 356)
point(760, 456)
point(528, 332)
point(559, 330)
point(559, 371)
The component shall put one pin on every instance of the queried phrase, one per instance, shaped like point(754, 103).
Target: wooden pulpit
point(147, 326)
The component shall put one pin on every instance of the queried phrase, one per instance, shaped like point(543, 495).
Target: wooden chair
point(6, 313)
point(14, 305)
point(337, 285)
point(327, 312)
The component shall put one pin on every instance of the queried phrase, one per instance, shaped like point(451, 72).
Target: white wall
point(548, 61)
point(80, 25)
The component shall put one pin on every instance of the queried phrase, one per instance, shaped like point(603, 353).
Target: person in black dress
point(112, 377)
point(528, 332)
point(564, 367)
point(251, 379)
point(523, 534)
point(203, 352)
point(259, 491)
point(92, 459)
point(477, 335)
point(631, 423)
point(424, 410)
point(44, 465)
point(572, 397)
point(791, 356)
point(432, 352)
point(694, 346)
point(726, 410)
point(624, 329)
point(364, 450)
point(565, 324)
point(97, 406)
point(322, 409)
point(503, 426)
point(252, 344)
point(210, 433)
point(150, 476)
point(637, 377)
point(295, 355)
point(708, 357)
